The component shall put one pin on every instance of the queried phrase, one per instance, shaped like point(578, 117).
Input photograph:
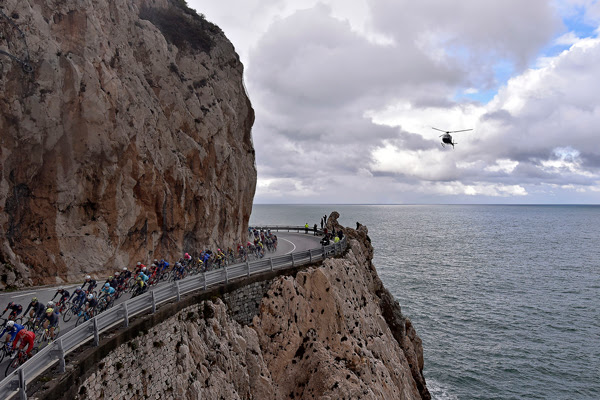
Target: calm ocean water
point(505, 298)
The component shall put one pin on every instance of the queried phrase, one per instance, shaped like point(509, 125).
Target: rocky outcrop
point(125, 136)
point(329, 332)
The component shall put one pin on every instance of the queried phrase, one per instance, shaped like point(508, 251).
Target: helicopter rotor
point(448, 132)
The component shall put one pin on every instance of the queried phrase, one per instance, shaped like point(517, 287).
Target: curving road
point(287, 243)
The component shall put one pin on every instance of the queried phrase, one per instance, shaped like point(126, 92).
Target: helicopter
point(447, 138)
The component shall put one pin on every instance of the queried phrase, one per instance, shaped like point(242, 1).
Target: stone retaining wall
point(243, 303)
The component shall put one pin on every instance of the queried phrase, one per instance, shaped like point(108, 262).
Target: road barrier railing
point(55, 352)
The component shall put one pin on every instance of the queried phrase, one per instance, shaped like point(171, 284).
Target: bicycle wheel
point(56, 331)
point(80, 319)
point(13, 364)
point(2, 352)
point(68, 315)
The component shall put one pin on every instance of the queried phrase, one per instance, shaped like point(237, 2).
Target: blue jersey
point(108, 290)
point(12, 331)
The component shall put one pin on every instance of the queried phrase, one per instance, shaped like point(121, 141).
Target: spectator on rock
point(315, 229)
point(306, 228)
point(321, 223)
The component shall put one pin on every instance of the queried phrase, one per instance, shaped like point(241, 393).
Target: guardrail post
point(204, 273)
point(153, 302)
point(22, 393)
point(226, 276)
point(271, 260)
point(178, 291)
point(125, 315)
point(248, 267)
point(310, 255)
point(96, 336)
point(292, 259)
point(61, 356)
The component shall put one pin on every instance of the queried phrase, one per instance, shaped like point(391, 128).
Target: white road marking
point(24, 294)
point(291, 251)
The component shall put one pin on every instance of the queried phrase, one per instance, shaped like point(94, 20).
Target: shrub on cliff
point(182, 26)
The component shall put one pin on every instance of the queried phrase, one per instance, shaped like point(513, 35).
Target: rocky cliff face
point(125, 136)
point(330, 332)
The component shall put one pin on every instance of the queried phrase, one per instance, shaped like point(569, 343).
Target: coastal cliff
point(328, 331)
point(125, 136)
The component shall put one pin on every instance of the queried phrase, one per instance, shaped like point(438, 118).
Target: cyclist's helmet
point(110, 277)
point(90, 296)
point(155, 261)
point(117, 273)
point(49, 310)
point(144, 269)
point(153, 265)
point(87, 277)
point(10, 304)
point(107, 284)
point(124, 268)
point(34, 300)
point(78, 289)
point(139, 263)
point(50, 304)
point(10, 324)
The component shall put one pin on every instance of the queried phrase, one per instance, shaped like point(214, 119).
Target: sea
point(506, 298)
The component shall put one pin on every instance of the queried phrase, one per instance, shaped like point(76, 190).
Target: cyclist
point(37, 309)
point(125, 274)
point(24, 338)
point(111, 282)
point(108, 292)
point(90, 282)
point(117, 279)
point(143, 276)
point(139, 267)
point(64, 296)
point(78, 296)
point(50, 321)
point(179, 270)
point(140, 286)
point(90, 304)
point(15, 310)
point(164, 266)
point(12, 329)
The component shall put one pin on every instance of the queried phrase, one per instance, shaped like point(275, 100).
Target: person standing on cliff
point(306, 228)
point(315, 230)
point(321, 223)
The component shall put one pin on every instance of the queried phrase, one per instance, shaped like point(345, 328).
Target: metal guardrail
point(15, 383)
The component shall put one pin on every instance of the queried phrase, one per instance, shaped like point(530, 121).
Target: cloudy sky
point(346, 93)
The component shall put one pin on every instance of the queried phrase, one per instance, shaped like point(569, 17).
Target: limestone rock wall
point(129, 140)
point(329, 332)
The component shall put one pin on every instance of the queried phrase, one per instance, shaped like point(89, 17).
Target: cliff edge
point(330, 331)
point(125, 136)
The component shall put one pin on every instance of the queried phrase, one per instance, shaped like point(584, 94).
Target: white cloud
point(348, 91)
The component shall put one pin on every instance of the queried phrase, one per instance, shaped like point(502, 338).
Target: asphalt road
point(287, 243)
